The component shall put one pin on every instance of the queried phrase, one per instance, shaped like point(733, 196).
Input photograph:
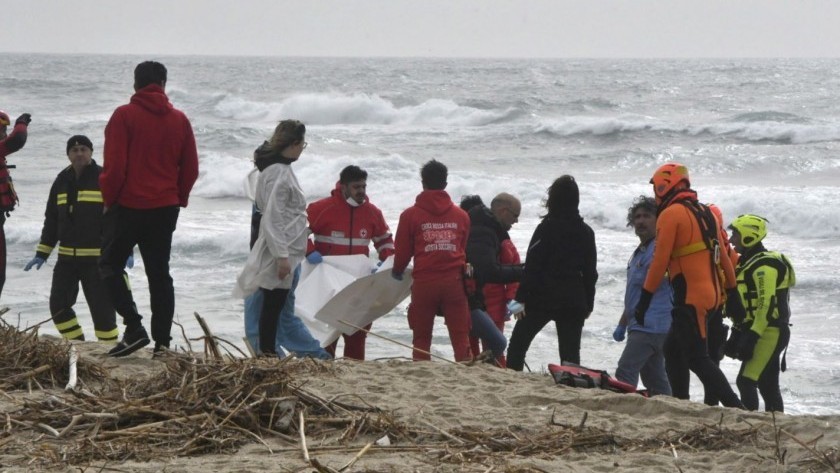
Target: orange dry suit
point(687, 246)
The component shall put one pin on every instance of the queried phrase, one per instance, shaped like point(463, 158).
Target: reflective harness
point(709, 231)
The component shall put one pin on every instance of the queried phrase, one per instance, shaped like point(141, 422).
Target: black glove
point(734, 307)
point(24, 118)
point(642, 307)
point(747, 345)
point(730, 349)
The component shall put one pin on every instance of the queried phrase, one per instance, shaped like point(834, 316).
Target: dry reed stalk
point(198, 405)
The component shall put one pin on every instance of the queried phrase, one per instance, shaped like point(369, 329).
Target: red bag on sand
point(577, 376)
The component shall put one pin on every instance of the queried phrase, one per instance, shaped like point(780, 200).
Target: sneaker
point(160, 350)
point(131, 342)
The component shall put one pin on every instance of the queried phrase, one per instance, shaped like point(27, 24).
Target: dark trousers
point(685, 347)
point(67, 275)
point(151, 230)
point(273, 302)
point(676, 362)
point(569, 330)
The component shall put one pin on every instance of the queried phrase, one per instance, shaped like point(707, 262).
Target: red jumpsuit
point(434, 232)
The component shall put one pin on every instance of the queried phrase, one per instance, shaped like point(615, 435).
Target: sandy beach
point(426, 417)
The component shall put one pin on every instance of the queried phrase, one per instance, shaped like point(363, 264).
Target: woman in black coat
point(560, 276)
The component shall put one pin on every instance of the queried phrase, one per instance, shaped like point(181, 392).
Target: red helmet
point(666, 178)
point(4, 119)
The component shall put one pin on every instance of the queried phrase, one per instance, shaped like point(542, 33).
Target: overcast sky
point(434, 28)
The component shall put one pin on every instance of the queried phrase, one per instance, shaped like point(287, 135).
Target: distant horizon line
point(256, 56)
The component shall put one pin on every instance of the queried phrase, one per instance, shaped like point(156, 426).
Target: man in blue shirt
point(643, 354)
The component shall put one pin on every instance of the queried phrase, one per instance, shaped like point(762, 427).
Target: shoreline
point(436, 416)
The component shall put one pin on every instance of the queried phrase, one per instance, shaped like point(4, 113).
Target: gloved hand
point(396, 275)
point(515, 307)
point(24, 118)
point(642, 307)
point(747, 345)
point(129, 263)
point(314, 257)
point(376, 268)
point(36, 261)
point(734, 306)
point(619, 332)
point(730, 348)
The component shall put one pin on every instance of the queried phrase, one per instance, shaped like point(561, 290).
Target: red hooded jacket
point(338, 228)
point(150, 159)
point(434, 231)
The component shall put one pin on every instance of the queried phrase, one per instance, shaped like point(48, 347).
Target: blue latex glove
point(619, 332)
point(376, 268)
point(514, 307)
point(36, 261)
point(129, 263)
point(397, 276)
point(314, 257)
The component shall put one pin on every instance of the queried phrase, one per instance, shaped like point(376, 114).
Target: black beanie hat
point(79, 140)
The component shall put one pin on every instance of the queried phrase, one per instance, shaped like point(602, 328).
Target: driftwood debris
point(207, 404)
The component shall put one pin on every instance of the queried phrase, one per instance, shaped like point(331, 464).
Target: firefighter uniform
point(73, 222)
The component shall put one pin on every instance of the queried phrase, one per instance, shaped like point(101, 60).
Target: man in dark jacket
point(150, 165)
point(73, 220)
point(488, 229)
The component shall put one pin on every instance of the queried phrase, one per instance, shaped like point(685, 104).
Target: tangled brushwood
point(197, 405)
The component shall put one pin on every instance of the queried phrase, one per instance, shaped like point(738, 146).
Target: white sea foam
point(753, 130)
point(358, 109)
point(753, 143)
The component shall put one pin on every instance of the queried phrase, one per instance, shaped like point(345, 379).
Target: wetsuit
point(687, 247)
point(679, 374)
point(764, 280)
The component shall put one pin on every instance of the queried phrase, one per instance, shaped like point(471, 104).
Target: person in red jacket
point(9, 143)
point(434, 232)
point(150, 165)
point(346, 223)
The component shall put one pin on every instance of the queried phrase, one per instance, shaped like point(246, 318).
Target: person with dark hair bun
point(560, 275)
point(282, 231)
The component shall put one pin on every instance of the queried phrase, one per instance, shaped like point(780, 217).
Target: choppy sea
point(759, 136)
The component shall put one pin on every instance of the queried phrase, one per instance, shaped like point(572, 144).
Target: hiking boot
point(132, 341)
